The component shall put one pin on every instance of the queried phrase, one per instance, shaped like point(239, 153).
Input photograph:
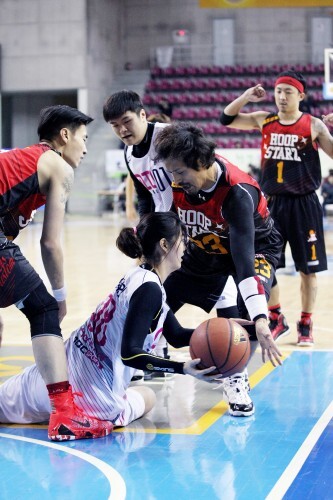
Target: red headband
point(289, 80)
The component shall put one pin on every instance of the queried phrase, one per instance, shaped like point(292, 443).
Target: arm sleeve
point(175, 334)
point(145, 304)
point(238, 210)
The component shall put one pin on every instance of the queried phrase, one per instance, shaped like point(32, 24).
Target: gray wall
point(44, 44)
point(262, 35)
point(81, 44)
point(75, 51)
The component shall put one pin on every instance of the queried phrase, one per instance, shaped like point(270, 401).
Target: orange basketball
point(222, 343)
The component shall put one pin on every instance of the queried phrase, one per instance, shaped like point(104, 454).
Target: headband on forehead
point(289, 80)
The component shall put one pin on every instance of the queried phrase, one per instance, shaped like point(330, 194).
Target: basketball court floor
point(188, 446)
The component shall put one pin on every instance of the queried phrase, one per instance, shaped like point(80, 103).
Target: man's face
point(287, 97)
point(189, 179)
point(75, 147)
point(130, 127)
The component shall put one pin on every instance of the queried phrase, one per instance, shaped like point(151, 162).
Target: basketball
point(222, 343)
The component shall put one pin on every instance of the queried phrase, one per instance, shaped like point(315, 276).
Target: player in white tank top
point(118, 337)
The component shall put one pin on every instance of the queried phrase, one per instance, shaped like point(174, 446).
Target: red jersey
point(289, 159)
point(203, 213)
point(19, 188)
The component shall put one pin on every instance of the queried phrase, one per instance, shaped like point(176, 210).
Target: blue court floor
point(190, 448)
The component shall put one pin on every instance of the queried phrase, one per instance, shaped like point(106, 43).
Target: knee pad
point(42, 311)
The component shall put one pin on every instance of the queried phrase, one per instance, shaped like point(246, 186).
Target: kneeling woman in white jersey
point(118, 337)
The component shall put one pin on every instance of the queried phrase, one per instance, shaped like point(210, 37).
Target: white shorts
point(134, 409)
point(24, 400)
point(228, 298)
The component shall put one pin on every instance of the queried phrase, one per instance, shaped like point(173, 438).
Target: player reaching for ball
point(118, 337)
point(231, 233)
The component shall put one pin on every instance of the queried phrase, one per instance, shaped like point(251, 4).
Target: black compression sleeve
point(144, 306)
point(238, 209)
point(175, 334)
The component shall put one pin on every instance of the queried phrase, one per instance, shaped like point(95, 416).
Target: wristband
point(227, 119)
point(253, 294)
point(60, 294)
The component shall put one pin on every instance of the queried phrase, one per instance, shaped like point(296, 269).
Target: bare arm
point(246, 121)
point(57, 189)
point(328, 119)
point(131, 212)
point(321, 134)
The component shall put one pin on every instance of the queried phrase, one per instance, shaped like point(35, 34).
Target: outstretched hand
point(268, 346)
point(190, 369)
point(328, 119)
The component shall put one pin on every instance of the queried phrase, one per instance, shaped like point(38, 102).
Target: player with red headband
point(291, 174)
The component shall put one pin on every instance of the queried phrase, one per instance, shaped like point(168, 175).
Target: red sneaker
point(278, 326)
point(305, 338)
point(68, 422)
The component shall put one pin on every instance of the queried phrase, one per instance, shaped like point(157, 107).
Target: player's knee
point(148, 395)
point(42, 311)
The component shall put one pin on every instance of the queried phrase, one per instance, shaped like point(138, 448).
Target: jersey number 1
point(279, 172)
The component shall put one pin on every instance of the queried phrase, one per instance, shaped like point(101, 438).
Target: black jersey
point(290, 159)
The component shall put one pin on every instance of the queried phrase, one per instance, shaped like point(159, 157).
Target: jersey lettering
point(284, 140)
point(155, 179)
point(100, 319)
point(196, 222)
point(282, 153)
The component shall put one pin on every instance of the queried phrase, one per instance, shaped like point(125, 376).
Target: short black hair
point(54, 118)
point(121, 102)
point(295, 74)
point(187, 143)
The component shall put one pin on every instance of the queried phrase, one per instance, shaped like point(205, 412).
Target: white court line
point(282, 485)
point(117, 484)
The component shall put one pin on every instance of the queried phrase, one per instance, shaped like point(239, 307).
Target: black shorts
point(202, 277)
point(299, 219)
point(17, 277)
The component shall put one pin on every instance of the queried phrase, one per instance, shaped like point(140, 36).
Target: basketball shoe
point(68, 422)
point(237, 388)
point(304, 332)
point(278, 326)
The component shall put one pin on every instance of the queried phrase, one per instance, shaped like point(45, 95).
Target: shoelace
point(231, 384)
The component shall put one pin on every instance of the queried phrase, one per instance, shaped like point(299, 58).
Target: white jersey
point(94, 362)
point(152, 175)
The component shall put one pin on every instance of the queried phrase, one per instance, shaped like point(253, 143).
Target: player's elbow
point(227, 120)
point(49, 245)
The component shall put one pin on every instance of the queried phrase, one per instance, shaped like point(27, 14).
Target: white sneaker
point(236, 388)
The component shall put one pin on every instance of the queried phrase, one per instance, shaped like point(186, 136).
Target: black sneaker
point(305, 337)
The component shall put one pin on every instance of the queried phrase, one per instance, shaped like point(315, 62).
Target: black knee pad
point(42, 311)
